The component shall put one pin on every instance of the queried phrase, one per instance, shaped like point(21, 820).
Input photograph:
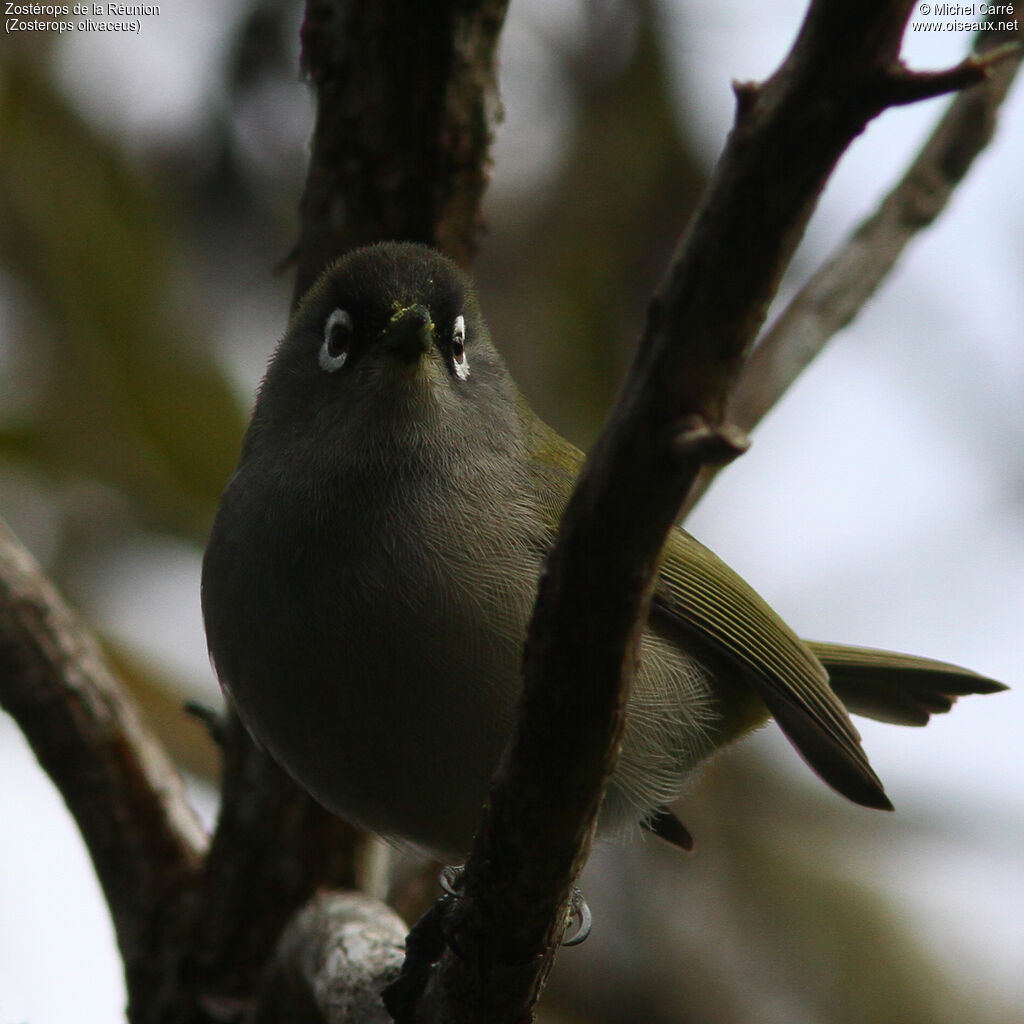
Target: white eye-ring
point(459, 347)
point(337, 336)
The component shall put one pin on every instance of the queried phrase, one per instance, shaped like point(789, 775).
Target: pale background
point(881, 503)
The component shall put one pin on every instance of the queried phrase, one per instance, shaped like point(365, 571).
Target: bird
point(374, 561)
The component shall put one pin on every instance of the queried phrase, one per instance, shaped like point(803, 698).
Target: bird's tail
point(898, 688)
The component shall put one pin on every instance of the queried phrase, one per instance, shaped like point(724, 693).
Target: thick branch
point(125, 795)
point(406, 106)
point(593, 599)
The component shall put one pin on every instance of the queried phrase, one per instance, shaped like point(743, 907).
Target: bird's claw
point(580, 920)
point(426, 942)
point(450, 879)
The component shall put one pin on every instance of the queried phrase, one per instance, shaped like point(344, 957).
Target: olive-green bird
point(375, 558)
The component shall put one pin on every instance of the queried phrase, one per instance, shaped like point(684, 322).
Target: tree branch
point(274, 847)
point(843, 69)
point(123, 792)
point(332, 963)
point(406, 107)
point(835, 294)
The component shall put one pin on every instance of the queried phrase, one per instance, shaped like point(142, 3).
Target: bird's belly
point(400, 701)
point(401, 704)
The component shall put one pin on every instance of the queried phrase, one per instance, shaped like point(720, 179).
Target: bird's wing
point(898, 688)
point(699, 592)
point(705, 598)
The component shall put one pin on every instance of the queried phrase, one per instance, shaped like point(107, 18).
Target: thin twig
point(837, 292)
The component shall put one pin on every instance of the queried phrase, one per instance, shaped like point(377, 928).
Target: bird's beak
point(409, 334)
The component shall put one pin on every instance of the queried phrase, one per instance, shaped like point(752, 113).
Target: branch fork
point(694, 437)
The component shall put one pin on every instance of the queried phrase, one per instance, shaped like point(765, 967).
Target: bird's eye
point(337, 336)
point(459, 347)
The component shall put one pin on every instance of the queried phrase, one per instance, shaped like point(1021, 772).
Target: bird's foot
point(430, 937)
point(580, 920)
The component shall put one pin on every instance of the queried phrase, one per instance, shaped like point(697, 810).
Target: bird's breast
point(387, 678)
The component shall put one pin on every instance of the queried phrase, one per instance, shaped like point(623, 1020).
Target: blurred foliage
point(566, 278)
point(127, 392)
point(118, 272)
